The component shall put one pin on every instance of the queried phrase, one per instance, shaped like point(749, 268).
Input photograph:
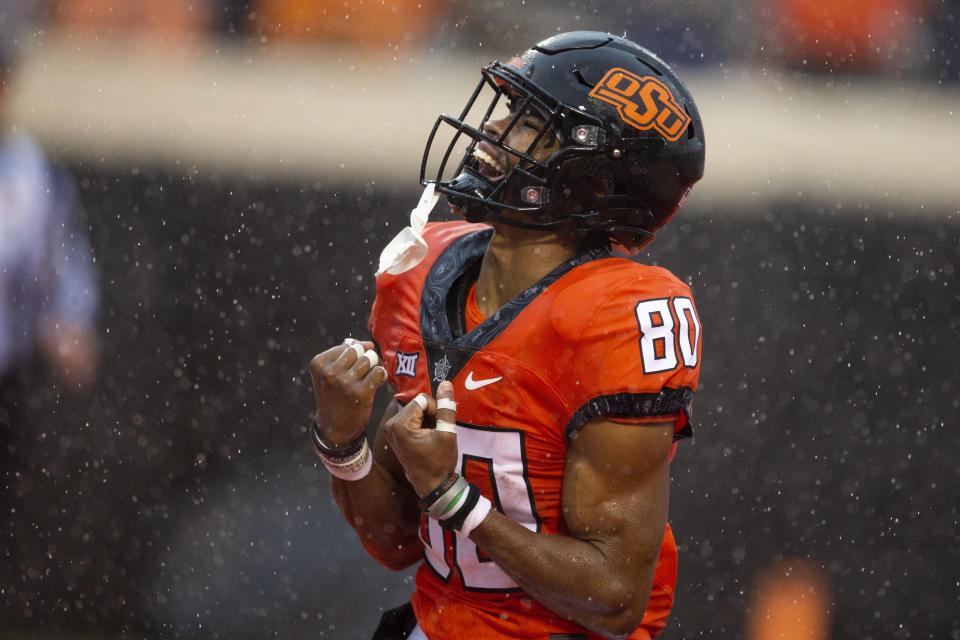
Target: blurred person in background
point(377, 26)
point(882, 37)
point(48, 302)
point(536, 502)
point(49, 293)
point(790, 599)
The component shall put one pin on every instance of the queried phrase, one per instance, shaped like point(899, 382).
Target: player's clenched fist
point(427, 455)
point(345, 380)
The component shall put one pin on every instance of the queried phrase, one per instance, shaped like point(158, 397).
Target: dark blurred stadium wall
point(237, 199)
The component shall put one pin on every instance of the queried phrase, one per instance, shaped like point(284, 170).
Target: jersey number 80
point(659, 344)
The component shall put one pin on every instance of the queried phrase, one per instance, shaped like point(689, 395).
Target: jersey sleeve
point(638, 356)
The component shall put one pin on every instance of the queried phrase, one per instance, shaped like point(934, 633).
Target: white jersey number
point(492, 459)
point(659, 343)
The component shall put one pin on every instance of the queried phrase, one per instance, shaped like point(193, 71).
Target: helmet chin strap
point(408, 247)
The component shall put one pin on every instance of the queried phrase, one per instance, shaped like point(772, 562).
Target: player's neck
point(516, 259)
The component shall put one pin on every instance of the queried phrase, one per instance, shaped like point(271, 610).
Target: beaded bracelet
point(352, 469)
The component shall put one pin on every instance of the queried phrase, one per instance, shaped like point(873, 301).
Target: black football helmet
point(629, 142)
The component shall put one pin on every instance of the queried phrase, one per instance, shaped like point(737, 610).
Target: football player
point(540, 380)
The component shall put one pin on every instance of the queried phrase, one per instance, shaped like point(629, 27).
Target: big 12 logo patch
point(643, 102)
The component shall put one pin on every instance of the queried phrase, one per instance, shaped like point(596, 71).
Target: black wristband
point(337, 452)
point(455, 522)
point(441, 489)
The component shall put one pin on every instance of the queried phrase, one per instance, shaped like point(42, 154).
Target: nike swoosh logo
point(473, 385)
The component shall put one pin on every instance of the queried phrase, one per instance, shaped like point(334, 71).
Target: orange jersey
point(598, 336)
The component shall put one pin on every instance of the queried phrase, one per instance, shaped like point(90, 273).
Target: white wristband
point(480, 511)
point(351, 476)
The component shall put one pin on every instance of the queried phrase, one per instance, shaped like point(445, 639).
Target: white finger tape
point(421, 401)
point(356, 346)
point(349, 341)
point(446, 425)
point(446, 403)
point(371, 355)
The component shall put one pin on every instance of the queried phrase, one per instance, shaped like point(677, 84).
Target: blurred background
point(226, 174)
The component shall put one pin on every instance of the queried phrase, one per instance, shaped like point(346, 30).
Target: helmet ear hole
point(612, 187)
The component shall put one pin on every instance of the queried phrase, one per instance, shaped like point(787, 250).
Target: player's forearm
point(384, 514)
point(576, 579)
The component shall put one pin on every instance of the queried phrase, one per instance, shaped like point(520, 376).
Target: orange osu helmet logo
point(644, 102)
